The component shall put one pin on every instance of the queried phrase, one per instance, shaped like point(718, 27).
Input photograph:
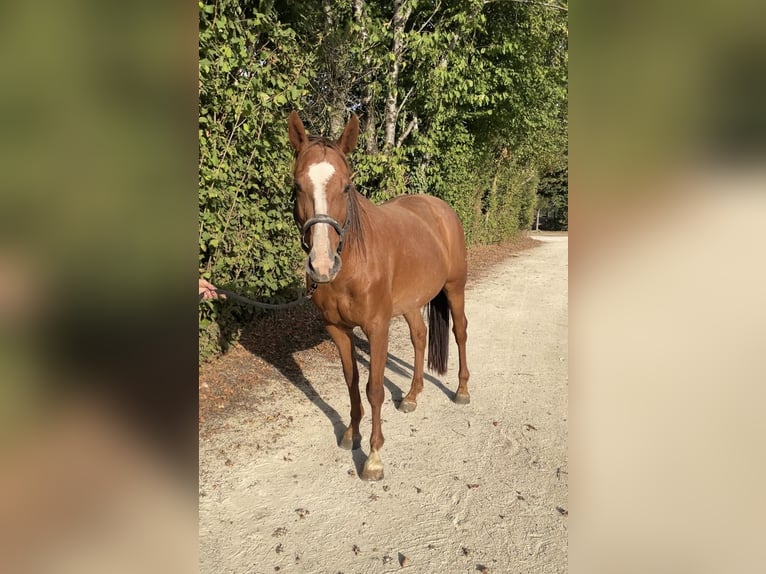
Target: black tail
point(438, 333)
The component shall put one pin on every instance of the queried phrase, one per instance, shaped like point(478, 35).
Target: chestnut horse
point(397, 257)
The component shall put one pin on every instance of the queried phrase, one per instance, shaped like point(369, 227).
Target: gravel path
point(465, 487)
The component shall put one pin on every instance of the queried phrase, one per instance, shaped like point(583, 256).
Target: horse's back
point(433, 213)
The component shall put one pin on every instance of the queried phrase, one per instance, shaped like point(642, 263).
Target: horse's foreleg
point(345, 344)
point(418, 337)
point(378, 337)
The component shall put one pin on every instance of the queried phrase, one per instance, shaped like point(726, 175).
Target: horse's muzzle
point(323, 269)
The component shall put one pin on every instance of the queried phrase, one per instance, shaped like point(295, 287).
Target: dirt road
point(465, 487)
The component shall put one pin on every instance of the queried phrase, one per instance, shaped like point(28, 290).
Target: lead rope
point(236, 297)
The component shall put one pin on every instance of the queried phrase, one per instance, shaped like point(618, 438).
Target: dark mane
point(354, 233)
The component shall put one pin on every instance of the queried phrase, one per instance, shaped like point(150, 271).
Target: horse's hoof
point(407, 406)
point(373, 467)
point(462, 398)
point(350, 441)
point(372, 475)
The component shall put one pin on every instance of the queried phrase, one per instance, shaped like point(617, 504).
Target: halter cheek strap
point(323, 218)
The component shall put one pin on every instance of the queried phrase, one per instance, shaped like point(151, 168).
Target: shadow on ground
point(278, 337)
point(398, 366)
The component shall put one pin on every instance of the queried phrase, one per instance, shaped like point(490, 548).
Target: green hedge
point(487, 128)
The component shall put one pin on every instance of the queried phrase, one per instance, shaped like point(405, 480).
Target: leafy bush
point(479, 113)
point(251, 73)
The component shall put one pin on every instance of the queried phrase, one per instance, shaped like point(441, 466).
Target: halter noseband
point(323, 218)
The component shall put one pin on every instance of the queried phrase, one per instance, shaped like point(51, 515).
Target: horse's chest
point(342, 312)
point(331, 314)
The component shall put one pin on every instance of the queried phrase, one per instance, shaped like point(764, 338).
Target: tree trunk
point(369, 118)
point(399, 20)
point(370, 132)
point(335, 98)
point(358, 13)
point(337, 121)
point(413, 125)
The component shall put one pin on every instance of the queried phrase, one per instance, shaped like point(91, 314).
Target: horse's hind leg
point(418, 336)
point(456, 298)
point(352, 438)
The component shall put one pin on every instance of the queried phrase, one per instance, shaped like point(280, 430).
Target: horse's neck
point(368, 217)
point(366, 207)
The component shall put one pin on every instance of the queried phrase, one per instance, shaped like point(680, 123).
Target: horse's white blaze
point(320, 174)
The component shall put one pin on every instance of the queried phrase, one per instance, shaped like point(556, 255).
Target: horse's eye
point(296, 190)
point(347, 188)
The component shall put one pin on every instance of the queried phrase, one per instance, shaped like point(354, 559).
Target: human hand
point(208, 291)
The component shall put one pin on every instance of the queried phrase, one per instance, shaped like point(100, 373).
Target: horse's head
point(321, 186)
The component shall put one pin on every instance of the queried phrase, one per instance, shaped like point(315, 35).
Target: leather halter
point(324, 218)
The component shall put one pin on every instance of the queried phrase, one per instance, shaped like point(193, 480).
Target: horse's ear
point(347, 140)
point(296, 131)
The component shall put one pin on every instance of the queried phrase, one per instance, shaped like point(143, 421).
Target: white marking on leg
point(320, 174)
point(373, 467)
